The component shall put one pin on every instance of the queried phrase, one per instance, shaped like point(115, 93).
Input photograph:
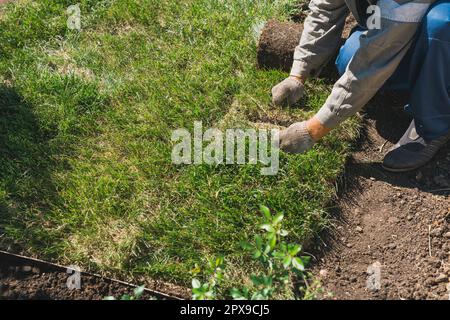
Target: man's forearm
point(374, 62)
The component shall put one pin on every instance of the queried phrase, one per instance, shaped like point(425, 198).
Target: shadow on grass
point(26, 163)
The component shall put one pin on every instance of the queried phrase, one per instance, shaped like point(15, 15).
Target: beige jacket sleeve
point(374, 62)
point(321, 36)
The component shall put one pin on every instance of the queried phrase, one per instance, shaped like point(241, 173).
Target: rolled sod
point(277, 44)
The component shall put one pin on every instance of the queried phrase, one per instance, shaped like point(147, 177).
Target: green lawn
point(85, 124)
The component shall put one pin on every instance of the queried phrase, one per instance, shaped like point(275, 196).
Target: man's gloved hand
point(296, 138)
point(287, 92)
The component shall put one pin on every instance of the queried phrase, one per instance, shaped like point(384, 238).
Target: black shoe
point(412, 151)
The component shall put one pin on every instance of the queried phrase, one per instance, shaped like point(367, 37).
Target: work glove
point(287, 92)
point(296, 138)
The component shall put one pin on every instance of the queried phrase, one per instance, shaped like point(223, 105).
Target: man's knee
point(437, 21)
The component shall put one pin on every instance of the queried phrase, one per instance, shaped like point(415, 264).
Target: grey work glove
point(296, 138)
point(287, 92)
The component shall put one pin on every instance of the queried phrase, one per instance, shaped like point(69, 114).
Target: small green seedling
point(279, 260)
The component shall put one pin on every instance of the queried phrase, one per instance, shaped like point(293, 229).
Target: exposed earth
point(28, 283)
point(22, 279)
point(390, 227)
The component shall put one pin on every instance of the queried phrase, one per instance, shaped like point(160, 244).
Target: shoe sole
point(402, 170)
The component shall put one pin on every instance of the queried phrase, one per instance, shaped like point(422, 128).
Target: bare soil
point(399, 222)
point(24, 284)
point(30, 280)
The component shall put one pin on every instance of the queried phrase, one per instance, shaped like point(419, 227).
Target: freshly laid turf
point(85, 124)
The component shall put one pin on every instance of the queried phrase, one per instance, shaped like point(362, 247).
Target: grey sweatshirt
point(379, 55)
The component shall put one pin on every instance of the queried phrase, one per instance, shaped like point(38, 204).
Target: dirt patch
point(27, 283)
point(29, 280)
point(391, 235)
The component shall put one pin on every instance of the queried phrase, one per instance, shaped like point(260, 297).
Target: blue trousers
point(424, 72)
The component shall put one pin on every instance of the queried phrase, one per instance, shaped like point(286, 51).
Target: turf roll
point(277, 44)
